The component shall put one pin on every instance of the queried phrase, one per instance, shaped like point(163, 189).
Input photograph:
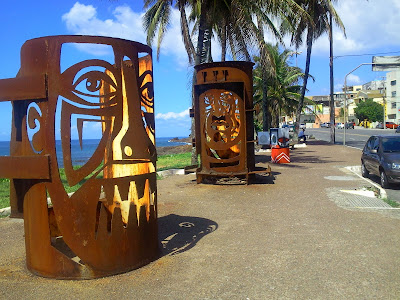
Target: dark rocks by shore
point(176, 149)
point(183, 140)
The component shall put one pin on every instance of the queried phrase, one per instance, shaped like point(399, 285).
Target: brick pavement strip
point(280, 239)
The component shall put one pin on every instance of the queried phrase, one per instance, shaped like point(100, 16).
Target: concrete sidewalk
point(308, 234)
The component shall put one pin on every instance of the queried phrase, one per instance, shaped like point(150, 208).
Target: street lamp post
point(297, 53)
point(345, 99)
point(384, 104)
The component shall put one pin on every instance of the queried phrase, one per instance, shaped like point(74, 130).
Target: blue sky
point(371, 27)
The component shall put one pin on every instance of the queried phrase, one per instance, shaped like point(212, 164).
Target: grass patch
point(392, 203)
point(173, 161)
point(4, 192)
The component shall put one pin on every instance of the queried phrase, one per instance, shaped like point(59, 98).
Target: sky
point(372, 28)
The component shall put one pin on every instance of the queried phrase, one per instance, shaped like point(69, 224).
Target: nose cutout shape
point(132, 129)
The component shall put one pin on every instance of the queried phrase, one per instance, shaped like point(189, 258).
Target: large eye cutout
point(91, 82)
point(95, 83)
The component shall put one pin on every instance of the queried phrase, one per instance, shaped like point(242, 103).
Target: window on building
point(393, 104)
point(393, 82)
point(394, 94)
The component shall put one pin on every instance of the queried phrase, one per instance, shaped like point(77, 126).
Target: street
point(357, 138)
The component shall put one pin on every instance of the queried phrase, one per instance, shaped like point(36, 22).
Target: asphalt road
point(356, 138)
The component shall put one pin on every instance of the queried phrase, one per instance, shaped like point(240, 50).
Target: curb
point(5, 212)
point(382, 192)
point(171, 172)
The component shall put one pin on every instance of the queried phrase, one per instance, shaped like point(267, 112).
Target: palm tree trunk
point(306, 73)
point(198, 60)
point(266, 120)
point(202, 30)
point(187, 41)
point(331, 103)
point(223, 43)
point(265, 113)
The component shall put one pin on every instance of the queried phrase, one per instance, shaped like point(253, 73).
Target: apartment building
point(393, 96)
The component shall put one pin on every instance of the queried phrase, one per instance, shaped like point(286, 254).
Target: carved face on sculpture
point(116, 187)
point(222, 124)
point(222, 116)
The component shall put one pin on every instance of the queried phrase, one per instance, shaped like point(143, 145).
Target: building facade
point(393, 97)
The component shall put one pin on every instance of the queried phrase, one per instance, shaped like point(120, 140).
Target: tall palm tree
point(319, 12)
point(208, 14)
point(284, 11)
point(283, 89)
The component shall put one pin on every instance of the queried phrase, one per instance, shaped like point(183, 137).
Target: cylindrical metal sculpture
point(109, 225)
point(224, 120)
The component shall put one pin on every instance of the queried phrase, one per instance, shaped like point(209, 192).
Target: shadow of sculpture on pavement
point(178, 234)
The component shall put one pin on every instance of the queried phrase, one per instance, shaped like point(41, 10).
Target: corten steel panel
point(17, 88)
point(224, 120)
point(25, 167)
point(109, 225)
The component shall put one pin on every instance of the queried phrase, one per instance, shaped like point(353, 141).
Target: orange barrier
point(280, 155)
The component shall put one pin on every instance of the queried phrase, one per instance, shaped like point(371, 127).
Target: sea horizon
point(81, 156)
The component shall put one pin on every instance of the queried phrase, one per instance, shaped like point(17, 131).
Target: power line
point(366, 54)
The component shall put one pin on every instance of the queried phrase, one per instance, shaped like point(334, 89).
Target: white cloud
point(173, 115)
point(125, 23)
point(353, 79)
point(369, 25)
point(338, 87)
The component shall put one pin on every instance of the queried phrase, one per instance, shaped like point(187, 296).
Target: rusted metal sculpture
point(109, 225)
point(224, 121)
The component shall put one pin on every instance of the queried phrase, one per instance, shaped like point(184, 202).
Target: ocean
point(81, 156)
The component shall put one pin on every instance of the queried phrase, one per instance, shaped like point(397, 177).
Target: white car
point(340, 125)
point(302, 126)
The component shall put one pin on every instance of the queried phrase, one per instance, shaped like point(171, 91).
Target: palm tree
point(208, 14)
point(319, 12)
point(283, 90)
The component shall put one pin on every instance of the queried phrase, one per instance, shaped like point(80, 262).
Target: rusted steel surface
point(25, 167)
point(224, 120)
point(109, 225)
point(12, 89)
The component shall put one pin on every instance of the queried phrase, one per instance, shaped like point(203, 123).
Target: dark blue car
point(381, 156)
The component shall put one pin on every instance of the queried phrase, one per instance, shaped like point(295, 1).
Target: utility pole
point(384, 102)
point(331, 103)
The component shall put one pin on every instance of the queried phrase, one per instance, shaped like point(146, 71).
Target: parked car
point(381, 156)
point(391, 125)
point(339, 125)
point(325, 125)
point(302, 126)
point(379, 126)
point(350, 125)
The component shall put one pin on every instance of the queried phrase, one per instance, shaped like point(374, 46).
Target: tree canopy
point(369, 110)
